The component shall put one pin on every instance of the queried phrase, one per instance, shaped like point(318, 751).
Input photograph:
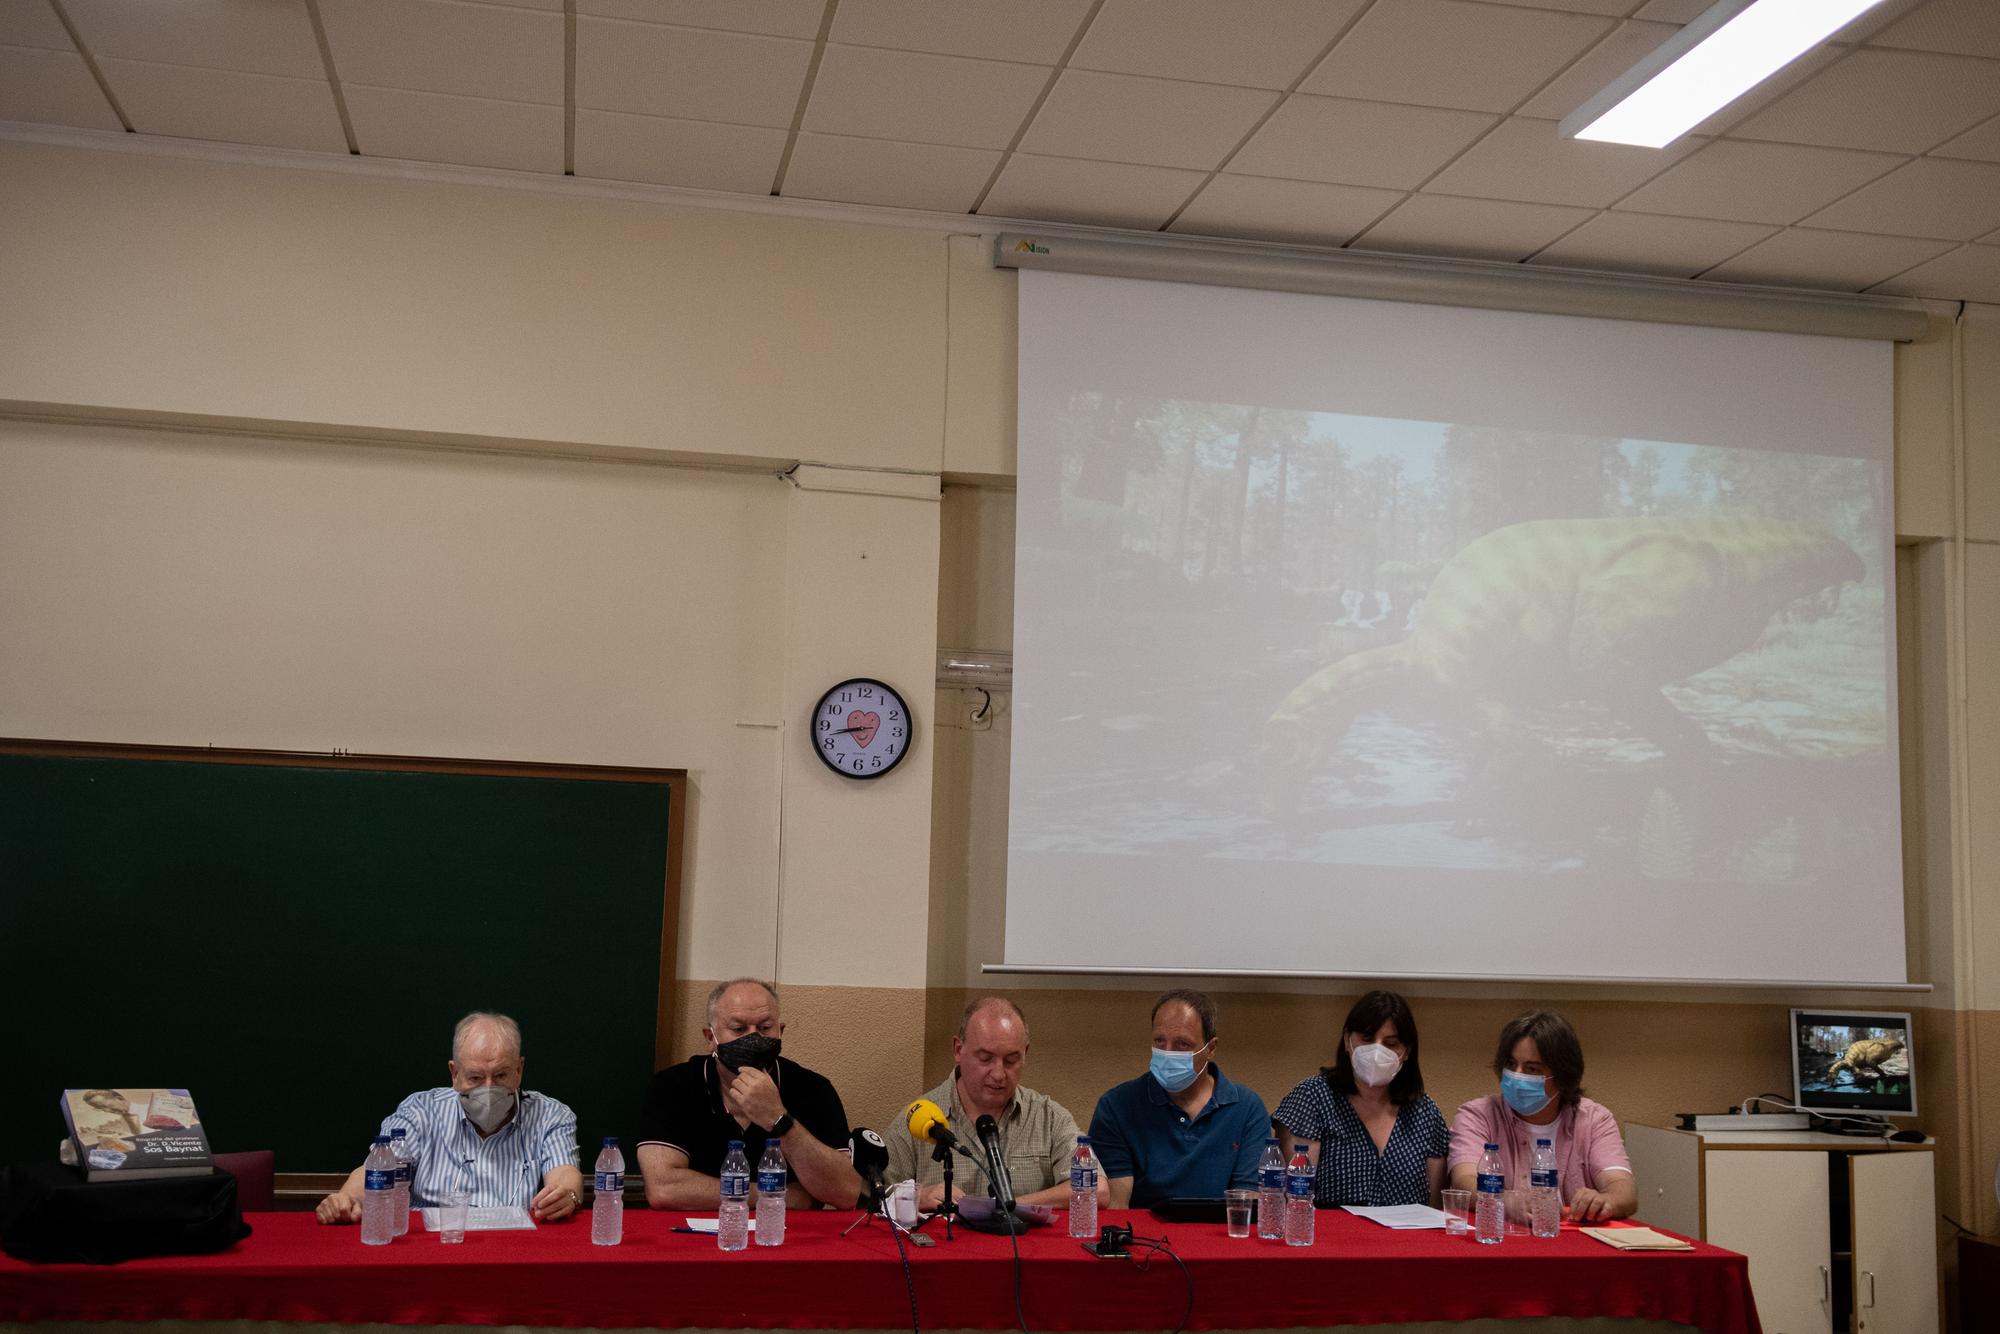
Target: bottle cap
point(1493, 1148)
point(1270, 1139)
point(736, 1144)
point(1541, 1144)
point(381, 1139)
point(610, 1141)
point(1082, 1140)
point(398, 1133)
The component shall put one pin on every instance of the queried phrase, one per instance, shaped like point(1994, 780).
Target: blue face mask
point(1526, 1094)
point(1174, 1069)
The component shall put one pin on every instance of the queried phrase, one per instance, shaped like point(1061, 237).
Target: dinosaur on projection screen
point(1560, 611)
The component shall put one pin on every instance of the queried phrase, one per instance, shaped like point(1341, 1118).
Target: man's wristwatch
point(781, 1125)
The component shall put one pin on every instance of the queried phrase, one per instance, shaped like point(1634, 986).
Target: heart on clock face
point(863, 727)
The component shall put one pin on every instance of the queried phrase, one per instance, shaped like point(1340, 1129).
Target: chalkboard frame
point(674, 780)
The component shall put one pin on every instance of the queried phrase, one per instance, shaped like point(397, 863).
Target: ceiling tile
point(471, 131)
point(1622, 48)
point(1470, 228)
point(1158, 122)
point(772, 18)
point(1033, 32)
point(1614, 9)
point(1745, 182)
point(443, 46)
point(1253, 43)
point(1968, 27)
point(1677, 12)
point(687, 73)
point(32, 23)
point(1650, 244)
point(257, 36)
point(1889, 101)
point(1357, 143)
point(1969, 273)
point(1527, 161)
point(1835, 261)
point(892, 175)
point(47, 87)
point(1453, 53)
point(1301, 212)
point(1981, 142)
point(1934, 197)
point(190, 103)
point(697, 155)
point(1106, 194)
point(908, 95)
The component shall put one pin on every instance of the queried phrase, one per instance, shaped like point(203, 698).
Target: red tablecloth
point(292, 1268)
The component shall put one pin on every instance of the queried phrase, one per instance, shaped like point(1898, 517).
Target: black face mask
point(751, 1051)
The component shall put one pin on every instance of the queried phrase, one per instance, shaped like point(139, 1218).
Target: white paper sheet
point(1402, 1217)
point(711, 1225)
point(485, 1218)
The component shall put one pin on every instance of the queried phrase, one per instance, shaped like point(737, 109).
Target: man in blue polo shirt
point(1183, 1129)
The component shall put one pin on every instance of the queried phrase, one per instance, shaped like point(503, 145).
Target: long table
point(293, 1269)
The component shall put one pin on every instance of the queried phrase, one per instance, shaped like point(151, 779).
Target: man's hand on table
point(339, 1207)
point(1589, 1206)
point(553, 1204)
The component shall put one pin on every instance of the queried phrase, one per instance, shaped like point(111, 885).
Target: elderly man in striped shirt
point(483, 1134)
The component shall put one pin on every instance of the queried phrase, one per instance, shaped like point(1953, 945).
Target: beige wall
point(235, 580)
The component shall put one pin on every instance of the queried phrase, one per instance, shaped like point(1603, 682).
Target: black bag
point(48, 1212)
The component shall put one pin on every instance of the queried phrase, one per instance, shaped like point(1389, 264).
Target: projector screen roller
point(1388, 639)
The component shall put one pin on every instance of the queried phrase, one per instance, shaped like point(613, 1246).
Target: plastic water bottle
point(1083, 1190)
point(1271, 1191)
point(732, 1231)
point(1489, 1212)
point(406, 1171)
point(1545, 1204)
point(378, 1194)
point(1299, 1218)
point(771, 1195)
point(607, 1201)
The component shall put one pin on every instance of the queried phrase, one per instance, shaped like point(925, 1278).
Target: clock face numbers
point(861, 729)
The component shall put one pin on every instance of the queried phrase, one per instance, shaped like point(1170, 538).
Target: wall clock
point(861, 728)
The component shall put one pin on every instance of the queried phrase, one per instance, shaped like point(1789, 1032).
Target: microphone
point(871, 1160)
point(928, 1123)
point(996, 1163)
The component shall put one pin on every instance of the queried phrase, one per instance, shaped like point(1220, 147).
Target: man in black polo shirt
point(742, 1089)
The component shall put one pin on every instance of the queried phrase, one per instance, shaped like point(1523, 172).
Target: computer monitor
point(1853, 1061)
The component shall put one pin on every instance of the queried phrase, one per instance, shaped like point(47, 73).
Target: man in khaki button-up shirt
point(1036, 1133)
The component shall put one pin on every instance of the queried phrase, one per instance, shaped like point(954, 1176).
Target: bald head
point(740, 1007)
point(485, 1049)
point(990, 1051)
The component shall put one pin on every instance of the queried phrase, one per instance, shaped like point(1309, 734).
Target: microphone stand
point(949, 1208)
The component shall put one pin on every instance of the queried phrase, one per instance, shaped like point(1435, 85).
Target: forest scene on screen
point(1373, 641)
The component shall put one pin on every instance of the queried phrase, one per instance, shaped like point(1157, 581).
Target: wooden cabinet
point(1841, 1233)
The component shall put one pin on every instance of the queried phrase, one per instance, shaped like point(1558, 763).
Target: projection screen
point(1399, 640)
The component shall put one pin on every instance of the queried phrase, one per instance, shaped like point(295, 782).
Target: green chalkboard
point(291, 938)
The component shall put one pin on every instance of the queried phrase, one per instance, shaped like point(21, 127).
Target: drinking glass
point(451, 1216)
point(1458, 1213)
point(1238, 1205)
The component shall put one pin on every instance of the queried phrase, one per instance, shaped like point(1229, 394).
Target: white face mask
point(488, 1106)
point(1374, 1064)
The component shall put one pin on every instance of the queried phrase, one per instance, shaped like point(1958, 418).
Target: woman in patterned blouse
point(1375, 1137)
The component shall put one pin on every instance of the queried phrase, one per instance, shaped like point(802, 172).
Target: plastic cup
point(1457, 1213)
point(452, 1210)
point(1238, 1205)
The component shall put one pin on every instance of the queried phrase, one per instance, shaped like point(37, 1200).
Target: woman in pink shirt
point(1540, 1065)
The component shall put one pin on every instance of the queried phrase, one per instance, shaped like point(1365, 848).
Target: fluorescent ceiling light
point(1731, 48)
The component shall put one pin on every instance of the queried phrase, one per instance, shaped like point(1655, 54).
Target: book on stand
point(133, 1134)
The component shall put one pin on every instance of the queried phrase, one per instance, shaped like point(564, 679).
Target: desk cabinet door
point(1772, 1206)
point(1895, 1243)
